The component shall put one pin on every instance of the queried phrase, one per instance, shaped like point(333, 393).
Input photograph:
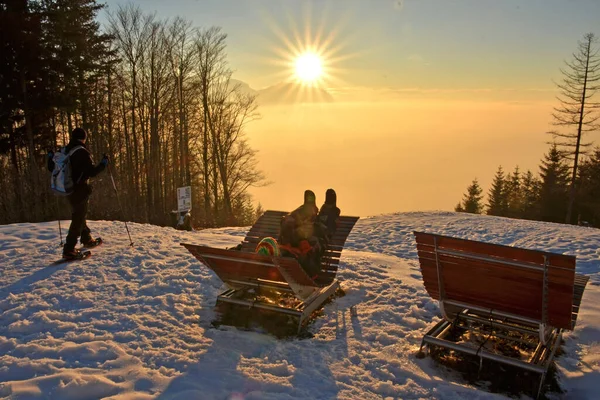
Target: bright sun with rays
point(311, 59)
point(308, 68)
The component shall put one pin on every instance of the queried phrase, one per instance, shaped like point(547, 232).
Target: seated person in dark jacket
point(299, 224)
point(82, 168)
point(328, 217)
point(297, 235)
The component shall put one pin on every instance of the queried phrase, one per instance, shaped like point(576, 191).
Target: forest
point(155, 95)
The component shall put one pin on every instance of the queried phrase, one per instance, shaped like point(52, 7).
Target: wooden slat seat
point(499, 277)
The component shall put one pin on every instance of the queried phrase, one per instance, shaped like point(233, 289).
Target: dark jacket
point(328, 218)
point(329, 215)
point(82, 168)
point(299, 224)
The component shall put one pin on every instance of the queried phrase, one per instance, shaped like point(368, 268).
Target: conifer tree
point(496, 196)
point(554, 174)
point(589, 190)
point(530, 189)
point(471, 202)
point(513, 194)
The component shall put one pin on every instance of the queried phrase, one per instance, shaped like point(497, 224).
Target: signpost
point(184, 199)
point(184, 206)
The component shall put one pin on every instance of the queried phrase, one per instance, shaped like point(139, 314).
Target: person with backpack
point(71, 168)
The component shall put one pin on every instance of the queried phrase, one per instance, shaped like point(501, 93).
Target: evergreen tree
point(513, 194)
point(554, 176)
point(80, 53)
point(25, 104)
point(496, 196)
point(589, 190)
point(472, 199)
point(530, 194)
point(459, 207)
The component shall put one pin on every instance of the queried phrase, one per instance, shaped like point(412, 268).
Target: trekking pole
point(59, 227)
point(119, 202)
point(60, 233)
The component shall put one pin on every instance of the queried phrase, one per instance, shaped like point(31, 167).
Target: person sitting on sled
point(327, 219)
point(297, 235)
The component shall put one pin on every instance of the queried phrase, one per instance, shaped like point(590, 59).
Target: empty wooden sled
point(276, 284)
point(503, 292)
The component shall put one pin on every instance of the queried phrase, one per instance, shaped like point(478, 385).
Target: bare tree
point(130, 29)
point(226, 111)
point(577, 114)
point(210, 45)
point(182, 56)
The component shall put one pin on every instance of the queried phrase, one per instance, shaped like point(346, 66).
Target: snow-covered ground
point(134, 323)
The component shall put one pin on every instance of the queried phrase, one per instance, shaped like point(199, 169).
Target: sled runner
point(276, 284)
point(521, 296)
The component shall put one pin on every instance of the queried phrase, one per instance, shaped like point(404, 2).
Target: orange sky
point(391, 156)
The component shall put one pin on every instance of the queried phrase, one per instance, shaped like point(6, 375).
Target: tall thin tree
point(576, 114)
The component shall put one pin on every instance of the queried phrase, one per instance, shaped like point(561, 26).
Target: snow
point(134, 323)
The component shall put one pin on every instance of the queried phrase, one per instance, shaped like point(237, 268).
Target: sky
point(429, 93)
point(434, 44)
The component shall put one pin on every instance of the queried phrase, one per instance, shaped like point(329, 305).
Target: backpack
point(62, 180)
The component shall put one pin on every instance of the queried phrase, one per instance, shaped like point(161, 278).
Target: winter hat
point(268, 247)
point(330, 197)
point(78, 133)
point(309, 197)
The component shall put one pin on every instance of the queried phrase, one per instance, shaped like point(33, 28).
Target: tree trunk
point(580, 124)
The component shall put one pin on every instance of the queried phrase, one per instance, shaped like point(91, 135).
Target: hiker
point(327, 219)
point(297, 236)
point(82, 168)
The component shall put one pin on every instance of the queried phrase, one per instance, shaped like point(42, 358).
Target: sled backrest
point(532, 284)
point(269, 225)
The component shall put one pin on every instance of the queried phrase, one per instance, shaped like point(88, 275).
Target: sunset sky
point(428, 44)
point(467, 84)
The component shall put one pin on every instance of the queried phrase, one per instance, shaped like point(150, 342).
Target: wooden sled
point(277, 284)
point(515, 294)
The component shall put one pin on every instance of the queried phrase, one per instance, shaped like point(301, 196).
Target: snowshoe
point(91, 243)
point(73, 256)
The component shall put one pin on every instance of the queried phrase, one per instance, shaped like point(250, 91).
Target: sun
point(308, 67)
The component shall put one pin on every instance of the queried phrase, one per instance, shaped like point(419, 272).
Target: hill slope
point(134, 323)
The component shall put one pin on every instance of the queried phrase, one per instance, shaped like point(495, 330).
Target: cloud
point(417, 59)
point(514, 96)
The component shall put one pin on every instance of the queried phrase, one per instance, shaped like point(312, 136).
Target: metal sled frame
point(303, 311)
point(536, 332)
point(248, 274)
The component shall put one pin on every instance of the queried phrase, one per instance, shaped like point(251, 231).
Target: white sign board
point(184, 198)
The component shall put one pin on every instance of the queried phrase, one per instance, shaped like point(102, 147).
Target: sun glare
point(308, 67)
point(310, 54)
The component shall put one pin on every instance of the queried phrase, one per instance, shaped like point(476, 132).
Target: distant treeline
point(567, 188)
point(541, 197)
point(155, 95)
